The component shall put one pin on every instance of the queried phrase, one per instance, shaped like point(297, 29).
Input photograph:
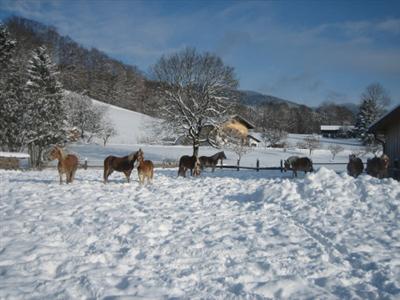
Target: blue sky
point(304, 51)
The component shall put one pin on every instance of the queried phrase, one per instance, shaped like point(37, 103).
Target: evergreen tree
point(7, 45)
point(45, 110)
point(369, 113)
point(11, 95)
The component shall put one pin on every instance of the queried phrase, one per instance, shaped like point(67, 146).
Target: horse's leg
point(213, 167)
point(127, 174)
point(107, 173)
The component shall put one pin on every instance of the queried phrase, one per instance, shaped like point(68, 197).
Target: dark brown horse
point(121, 164)
point(378, 166)
point(355, 166)
point(300, 164)
point(67, 163)
point(145, 168)
point(189, 162)
point(211, 161)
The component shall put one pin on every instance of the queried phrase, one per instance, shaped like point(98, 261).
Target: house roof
point(336, 127)
point(14, 154)
point(389, 119)
point(253, 138)
point(244, 121)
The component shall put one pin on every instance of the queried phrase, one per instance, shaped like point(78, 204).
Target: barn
point(389, 127)
point(337, 131)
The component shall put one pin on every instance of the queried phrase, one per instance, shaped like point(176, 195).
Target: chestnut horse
point(121, 164)
point(189, 162)
point(145, 168)
point(211, 161)
point(67, 164)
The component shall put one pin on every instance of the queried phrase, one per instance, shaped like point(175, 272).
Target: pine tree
point(7, 45)
point(11, 95)
point(369, 112)
point(45, 110)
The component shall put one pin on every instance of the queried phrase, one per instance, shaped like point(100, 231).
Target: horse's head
point(222, 156)
point(140, 155)
point(385, 160)
point(286, 165)
point(55, 153)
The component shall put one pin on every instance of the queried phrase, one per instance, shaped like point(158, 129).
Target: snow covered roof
point(392, 117)
point(336, 127)
point(14, 154)
point(253, 138)
point(244, 121)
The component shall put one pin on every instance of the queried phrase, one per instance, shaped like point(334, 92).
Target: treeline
point(98, 76)
point(90, 72)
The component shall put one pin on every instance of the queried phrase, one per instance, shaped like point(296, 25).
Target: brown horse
point(145, 168)
point(121, 164)
point(211, 161)
point(300, 164)
point(67, 163)
point(378, 166)
point(355, 166)
point(189, 162)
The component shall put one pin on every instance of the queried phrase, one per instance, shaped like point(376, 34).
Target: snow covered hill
point(132, 127)
point(226, 235)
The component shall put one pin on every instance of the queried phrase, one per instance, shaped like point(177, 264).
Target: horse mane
point(134, 155)
point(216, 154)
point(62, 153)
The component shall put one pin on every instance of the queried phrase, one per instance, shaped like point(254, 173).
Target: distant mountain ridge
point(252, 98)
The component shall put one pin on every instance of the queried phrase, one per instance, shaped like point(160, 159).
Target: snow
point(132, 127)
point(14, 154)
point(226, 234)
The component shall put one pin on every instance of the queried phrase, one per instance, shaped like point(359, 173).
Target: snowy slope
point(224, 235)
point(132, 127)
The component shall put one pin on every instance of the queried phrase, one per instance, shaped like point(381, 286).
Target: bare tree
point(335, 149)
point(272, 137)
point(376, 93)
point(196, 88)
point(85, 116)
point(107, 131)
point(239, 146)
point(311, 143)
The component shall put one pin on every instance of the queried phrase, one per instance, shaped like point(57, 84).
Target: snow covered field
point(223, 235)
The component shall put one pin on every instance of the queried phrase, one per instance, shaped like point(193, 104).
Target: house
point(253, 141)
point(337, 131)
point(234, 124)
point(389, 127)
point(13, 160)
point(238, 124)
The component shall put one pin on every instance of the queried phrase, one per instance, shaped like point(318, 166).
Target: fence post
point(85, 164)
point(258, 165)
point(238, 164)
point(281, 166)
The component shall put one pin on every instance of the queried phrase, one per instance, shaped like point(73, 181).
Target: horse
point(67, 163)
point(211, 161)
point(121, 164)
point(189, 162)
point(378, 166)
point(301, 164)
point(289, 161)
point(145, 168)
point(355, 166)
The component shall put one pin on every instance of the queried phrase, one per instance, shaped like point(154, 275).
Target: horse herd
point(68, 164)
point(376, 166)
